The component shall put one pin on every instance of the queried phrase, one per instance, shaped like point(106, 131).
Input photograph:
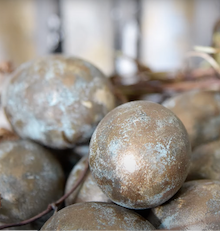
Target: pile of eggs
point(152, 166)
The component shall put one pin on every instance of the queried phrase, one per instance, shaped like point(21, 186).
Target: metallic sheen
point(30, 179)
point(195, 207)
point(139, 154)
point(96, 216)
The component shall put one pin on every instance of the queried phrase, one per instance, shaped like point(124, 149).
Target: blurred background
point(156, 32)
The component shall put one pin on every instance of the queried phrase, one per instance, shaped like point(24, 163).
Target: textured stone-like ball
point(196, 206)
point(57, 101)
point(200, 113)
point(30, 179)
point(205, 162)
point(96, 216)
point(88, 190)
point(139, 154)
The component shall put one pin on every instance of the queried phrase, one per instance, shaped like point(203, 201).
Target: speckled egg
point(30, 179)
point(195, 207)
point(139, 154)
point(205, 162)
point(96, 216)
point(88, 190)
point(57, 101)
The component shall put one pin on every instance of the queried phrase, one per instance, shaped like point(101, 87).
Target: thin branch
point(75, 186)
point(205, 49)
point(208, 58)
point(52, 205)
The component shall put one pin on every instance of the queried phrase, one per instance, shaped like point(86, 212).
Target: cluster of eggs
point(139, 152)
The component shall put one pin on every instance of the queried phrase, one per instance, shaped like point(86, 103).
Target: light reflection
point(129, 163)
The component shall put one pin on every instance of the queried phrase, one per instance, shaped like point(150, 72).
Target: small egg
point(88, 190)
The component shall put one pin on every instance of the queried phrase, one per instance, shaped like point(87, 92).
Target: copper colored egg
point(57, 101)
point(30, 179)
point(96, 216)
point(139, 154)
point(195, 207)
point(200, 113)
point(205, 162)
point(88, 190)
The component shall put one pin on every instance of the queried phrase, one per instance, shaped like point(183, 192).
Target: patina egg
point(88, 190)
point(195, 207)
point(200, 113)
point(139, 154)
point(57, 101)
point(205, 162)
point(96, 216)
point(30, 179)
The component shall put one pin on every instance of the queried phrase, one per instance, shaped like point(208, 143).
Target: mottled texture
point(30, 179)
point(96, 216)
point(200, 113)
point(205, 162)
point(57, 101)
point(139, 154)
point(88, 189)
point(195, 207)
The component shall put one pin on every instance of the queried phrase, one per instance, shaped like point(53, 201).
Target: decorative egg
point(96, 216)
point(195, 207)
point(139, 154)
point(30, 179)
point(57, 101)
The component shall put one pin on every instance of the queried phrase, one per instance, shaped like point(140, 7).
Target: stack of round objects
point(139, 152)
point(55, 101)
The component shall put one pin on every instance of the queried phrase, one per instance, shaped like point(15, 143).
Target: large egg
point(139, 154)
point(57, 101)
point(200, 113)
point(30, 179)
point(96, 216)
point(205, 162)
point(195, 207)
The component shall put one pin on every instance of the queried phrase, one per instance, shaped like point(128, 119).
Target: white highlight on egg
point(87, 104)
point(129, 163)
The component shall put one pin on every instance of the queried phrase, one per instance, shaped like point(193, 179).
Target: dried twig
point(208, 50)
point(208, 58)
point(52, 206)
